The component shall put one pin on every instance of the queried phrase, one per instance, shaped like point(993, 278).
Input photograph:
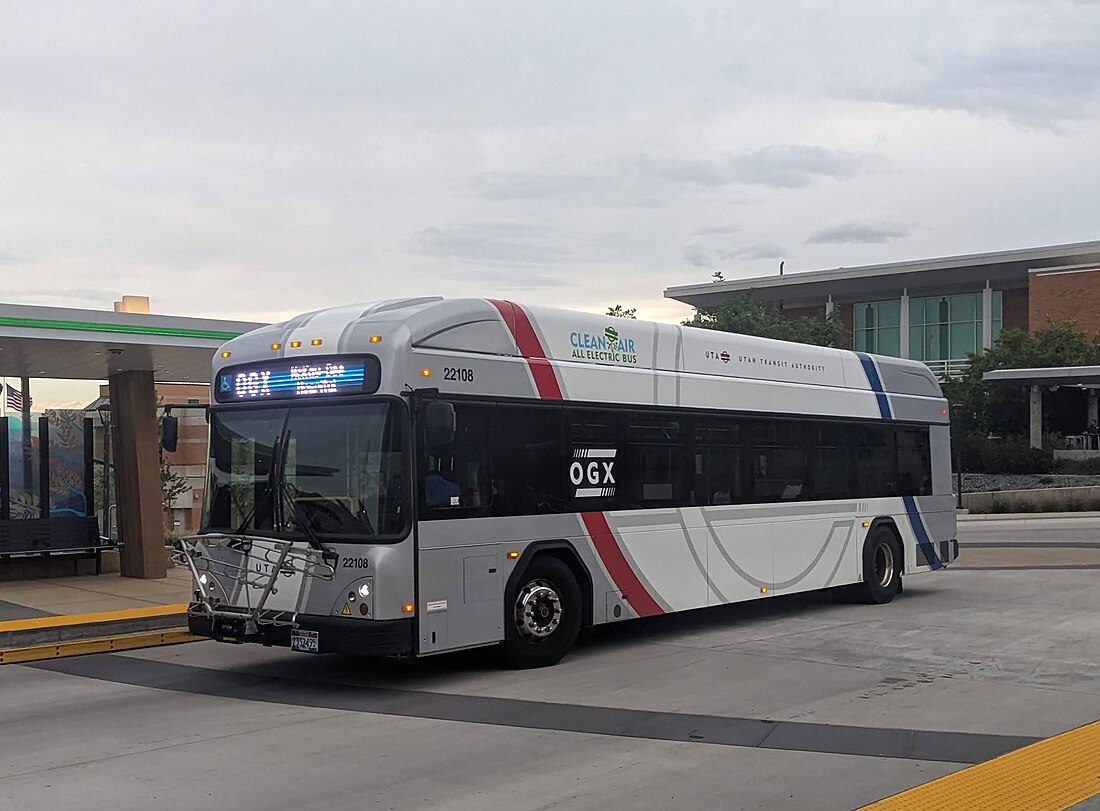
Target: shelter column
point(1036, 416)
point(137, 471)
point(904, 323)
point(987, 316)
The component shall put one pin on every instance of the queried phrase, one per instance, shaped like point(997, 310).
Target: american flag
point(14, 399)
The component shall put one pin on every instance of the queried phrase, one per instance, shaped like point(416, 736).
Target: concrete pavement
point(792, 703)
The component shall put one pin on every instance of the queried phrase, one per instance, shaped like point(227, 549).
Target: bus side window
point(595, 469)
point(718, 461)
point(780, 463)
point(528, 460)
point(457, 476)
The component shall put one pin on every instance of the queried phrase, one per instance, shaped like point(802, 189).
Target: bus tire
point(544, 616)
point(882, 562)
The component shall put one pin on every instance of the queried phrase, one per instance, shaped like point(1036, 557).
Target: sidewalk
point(1019, 516)
point(90, 594)
point(68, 616)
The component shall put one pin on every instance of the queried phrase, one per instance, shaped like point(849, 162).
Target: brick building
point(935, 310)
point(189, 458)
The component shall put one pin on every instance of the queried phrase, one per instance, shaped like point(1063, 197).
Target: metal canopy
point(60, 342)
point(1009, 269)
point(1085, 376)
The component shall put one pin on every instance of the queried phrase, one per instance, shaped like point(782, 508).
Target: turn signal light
point(865, 524)
point(512, 555)
point(425, 372)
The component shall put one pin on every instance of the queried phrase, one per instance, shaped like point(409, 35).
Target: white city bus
point(423, 475)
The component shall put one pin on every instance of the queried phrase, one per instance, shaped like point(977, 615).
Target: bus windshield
point(338, 470)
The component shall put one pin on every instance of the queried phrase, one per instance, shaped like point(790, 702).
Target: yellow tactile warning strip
point(111, 644)
point(1050, 775)
point(39, 623)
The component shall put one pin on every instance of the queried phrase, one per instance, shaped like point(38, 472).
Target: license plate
point(305, 641)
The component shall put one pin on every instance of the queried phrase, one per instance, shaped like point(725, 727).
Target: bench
point(68, 535)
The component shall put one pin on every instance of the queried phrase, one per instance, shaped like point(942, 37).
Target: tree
point(171, 483)
point(748, 314)
point(985, 408)
point(618, 311)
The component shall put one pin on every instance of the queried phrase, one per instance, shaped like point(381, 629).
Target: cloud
point(793, 166)
point(859, 231)
point(615, 189)
point(503, 279)
point(81, 296)
point(492, 242)
point(9, 259)
point(698, 256)
point(715, 230)
point(758, 250)
point(788, 166)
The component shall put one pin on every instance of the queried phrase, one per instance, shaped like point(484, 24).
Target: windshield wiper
point(284, 497)
point(265, 492)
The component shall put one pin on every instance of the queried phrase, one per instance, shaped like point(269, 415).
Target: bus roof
point(497, 327)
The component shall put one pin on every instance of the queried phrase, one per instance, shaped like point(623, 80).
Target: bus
point(422, 475)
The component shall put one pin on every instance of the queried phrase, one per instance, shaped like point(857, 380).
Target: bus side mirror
point(169, 432)
point(439, 423)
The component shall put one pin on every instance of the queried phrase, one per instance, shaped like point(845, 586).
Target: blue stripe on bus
point(923, 540)
point(876, 384)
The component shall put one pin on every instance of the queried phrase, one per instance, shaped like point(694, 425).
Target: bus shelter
point(1051, 378)
point(46, 482)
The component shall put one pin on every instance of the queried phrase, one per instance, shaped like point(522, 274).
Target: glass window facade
point(949, 327)
point(877, 327)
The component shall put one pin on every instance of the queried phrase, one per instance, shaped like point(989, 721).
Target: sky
point(257, 160)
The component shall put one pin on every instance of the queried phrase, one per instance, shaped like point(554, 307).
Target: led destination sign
point(295, 379)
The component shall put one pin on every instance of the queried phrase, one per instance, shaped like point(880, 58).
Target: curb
point(1024, 516)
point(112, 644)
point(54, 631)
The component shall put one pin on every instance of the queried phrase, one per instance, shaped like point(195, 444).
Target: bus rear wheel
point(544, 618)
point(882, 564)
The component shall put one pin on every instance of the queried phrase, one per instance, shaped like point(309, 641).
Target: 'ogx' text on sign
point(592, 472)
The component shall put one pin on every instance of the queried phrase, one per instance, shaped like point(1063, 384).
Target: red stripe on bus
point(617, 565)
point(531, 348)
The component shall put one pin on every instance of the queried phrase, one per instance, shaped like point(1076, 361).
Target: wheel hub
point(884, 564)
point(538, 610)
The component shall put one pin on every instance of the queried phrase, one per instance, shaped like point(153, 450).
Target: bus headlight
point(364, 589)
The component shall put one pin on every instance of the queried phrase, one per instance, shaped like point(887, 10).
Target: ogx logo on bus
point(606, 347)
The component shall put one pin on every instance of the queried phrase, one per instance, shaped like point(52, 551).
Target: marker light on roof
point(276, 347)
point(376, 339)
point(295, 344)
point(316, 342)
point(226, 354)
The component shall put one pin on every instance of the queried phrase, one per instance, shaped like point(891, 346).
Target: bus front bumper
point(335, 634)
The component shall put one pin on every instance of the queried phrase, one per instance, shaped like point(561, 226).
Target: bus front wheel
point(882, 564)
point(544, 618)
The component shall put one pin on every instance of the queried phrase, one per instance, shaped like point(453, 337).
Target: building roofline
point(1046, 375)
point(891, 268)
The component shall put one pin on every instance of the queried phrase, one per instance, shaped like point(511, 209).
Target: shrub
point(1013, 455)
point(1080, 467)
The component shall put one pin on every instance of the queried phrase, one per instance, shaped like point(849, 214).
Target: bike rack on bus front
point(212, 598)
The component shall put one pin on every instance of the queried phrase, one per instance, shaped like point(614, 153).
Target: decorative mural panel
point(22, 470)
point(66, 448)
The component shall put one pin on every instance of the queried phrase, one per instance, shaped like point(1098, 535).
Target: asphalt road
point(792, 703)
